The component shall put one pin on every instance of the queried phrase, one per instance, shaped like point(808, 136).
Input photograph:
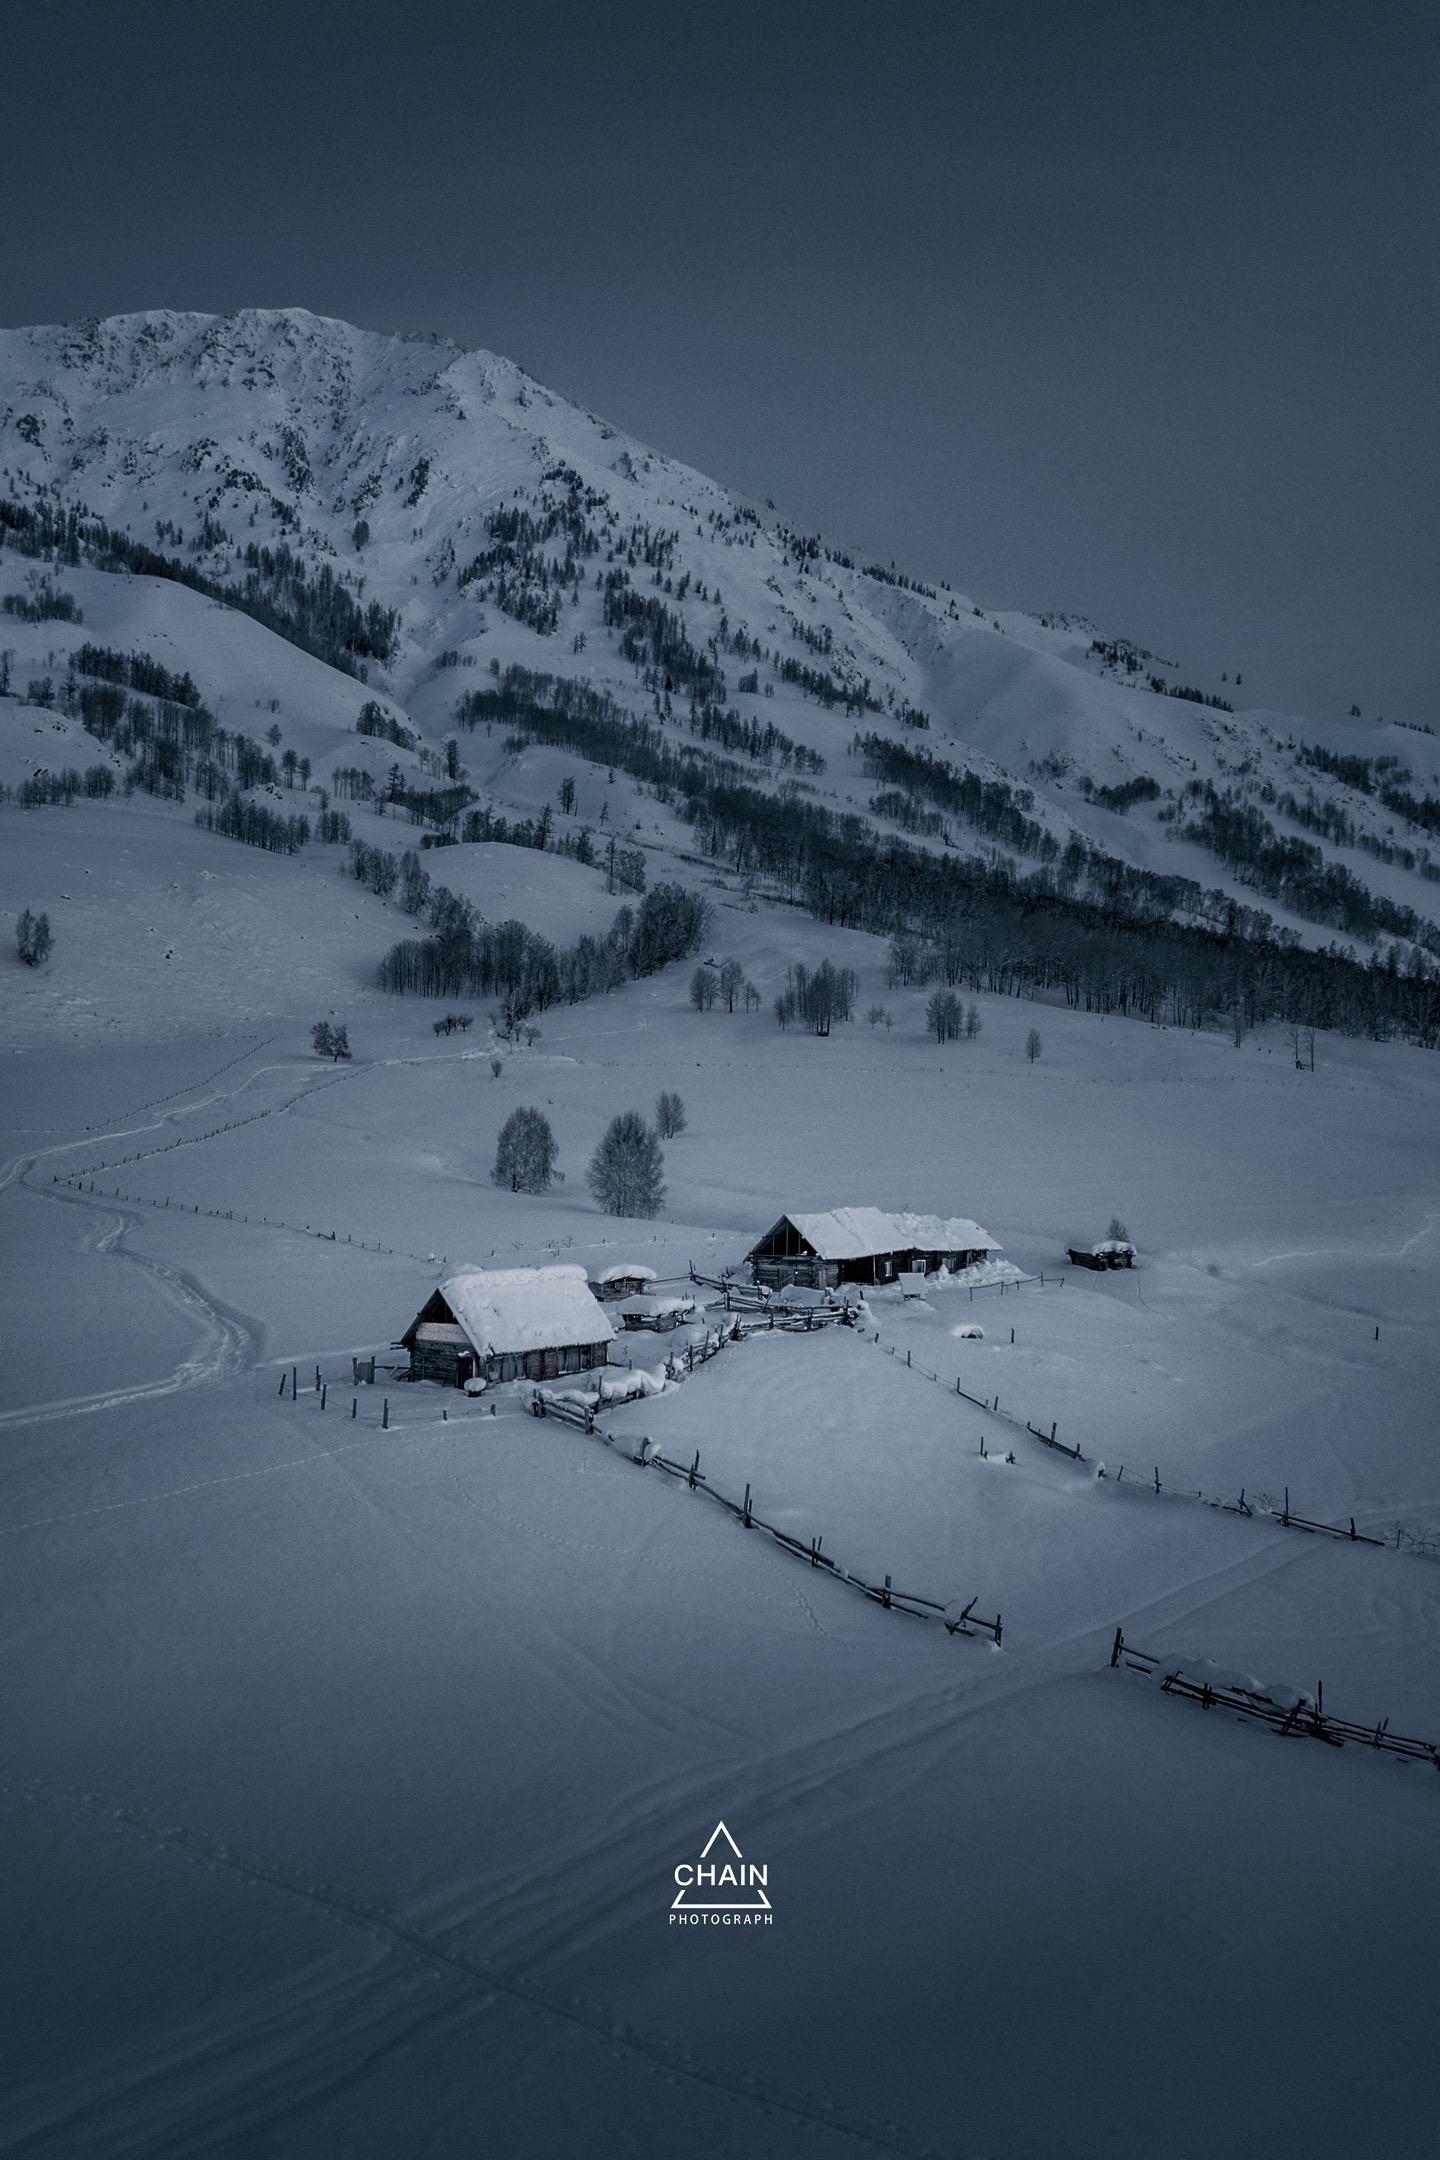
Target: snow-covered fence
point(991, 1407)
point(215, 1132)
point(1258, 1504)
point(155, 1101)
point(1290, 1712)
point(85, 1186)
point(546, 1403)
point(1050, 1441)
point(958, 1619)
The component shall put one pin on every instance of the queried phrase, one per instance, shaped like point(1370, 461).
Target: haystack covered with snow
point(867, 1245)
point(508, 1324)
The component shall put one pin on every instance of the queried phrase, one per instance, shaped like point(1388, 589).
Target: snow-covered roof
point(505, 1309)
point(655, 1305)
point(855, 1233)
point(627, 1271)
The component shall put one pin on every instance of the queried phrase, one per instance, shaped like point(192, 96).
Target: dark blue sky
point(1128, 309)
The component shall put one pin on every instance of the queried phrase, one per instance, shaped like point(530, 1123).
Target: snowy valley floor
point(346, 1768)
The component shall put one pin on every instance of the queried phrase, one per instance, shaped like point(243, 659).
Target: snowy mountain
point(420, 515)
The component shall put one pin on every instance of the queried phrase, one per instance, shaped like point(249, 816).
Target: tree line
point(465, 956)
point(315, 610)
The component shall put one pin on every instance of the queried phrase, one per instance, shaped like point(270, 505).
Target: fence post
point(815, 1544)
point(324, 1394)
point(354, 1406)
point(1116, 1647)
point(694, 1471)
point(294, 1389)
point(1157, 1477)
point(885, 1599)
point(1285, 1518)
point(745, 1510)
point(282, 1384)
point(385, 1415)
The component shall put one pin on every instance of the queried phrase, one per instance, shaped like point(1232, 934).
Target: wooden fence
point(991, 1406)
point(1282, 1513)
point(1306, 1718)
point(957, 1620)
point(1257, 1504)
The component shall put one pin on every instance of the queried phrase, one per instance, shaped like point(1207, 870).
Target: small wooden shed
point(1109, 1253)
point(658, 1313)
point(626, 1279)
point(508, 1324)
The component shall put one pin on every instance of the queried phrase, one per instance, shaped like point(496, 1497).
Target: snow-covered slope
point(354, 1734)
point(452, 488)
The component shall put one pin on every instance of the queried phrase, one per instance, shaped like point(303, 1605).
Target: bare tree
point(1033, 1045)
point(32, 938)
point(669, 1114)
point(627, 1170)
point(525, 1152)
point(943, 1016)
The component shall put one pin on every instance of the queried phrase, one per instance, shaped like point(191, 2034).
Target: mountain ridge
point(499, 522)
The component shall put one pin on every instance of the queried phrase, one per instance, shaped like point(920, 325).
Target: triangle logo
point(722, 1879)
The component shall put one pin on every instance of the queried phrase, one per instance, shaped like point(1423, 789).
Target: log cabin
point(865, 1245)
point(496, 1324)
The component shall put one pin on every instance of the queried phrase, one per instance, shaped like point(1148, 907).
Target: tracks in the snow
point(481, 1983)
